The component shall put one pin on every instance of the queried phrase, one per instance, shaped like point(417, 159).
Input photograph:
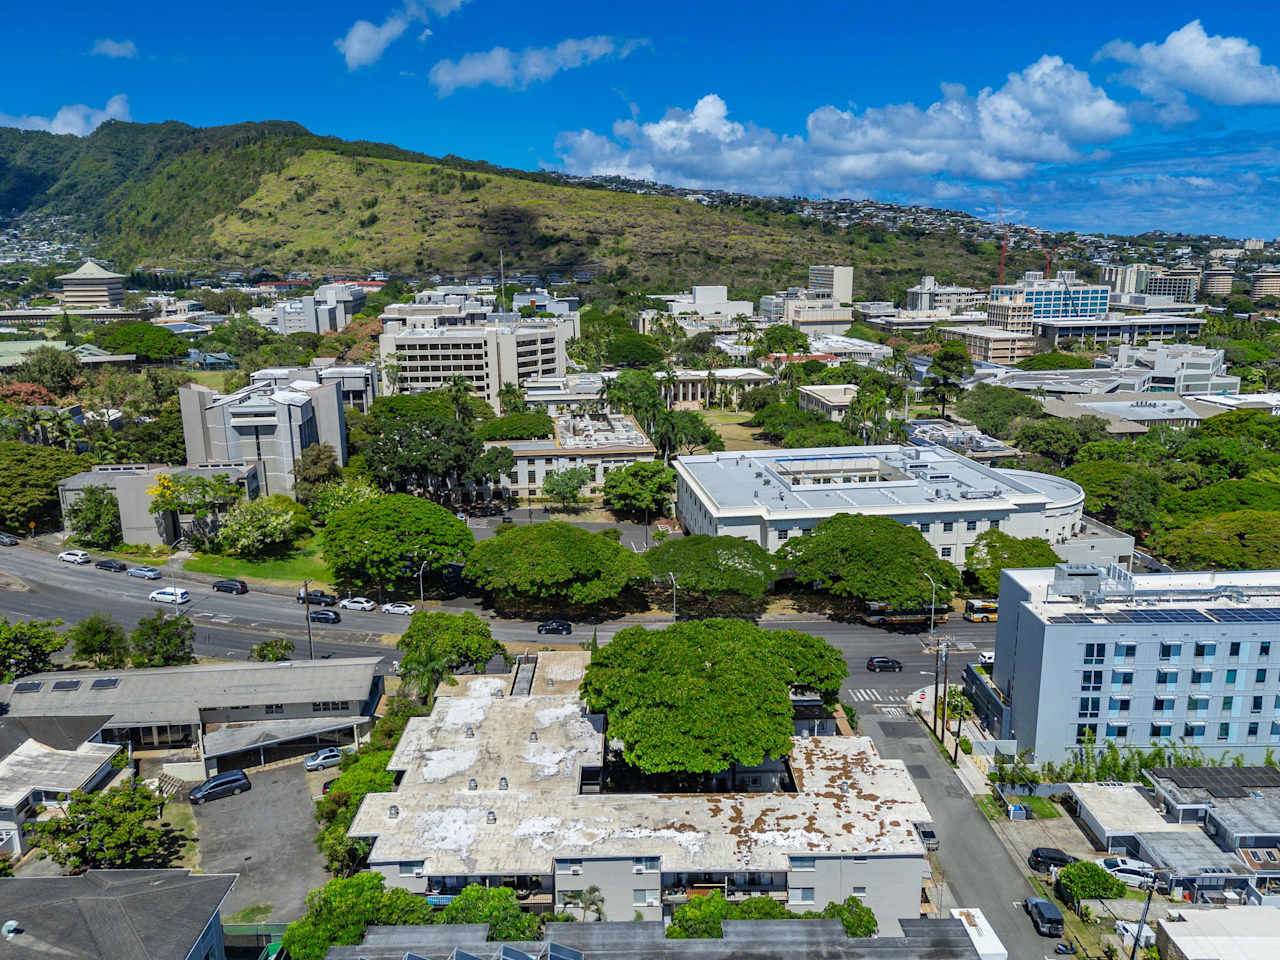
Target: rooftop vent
point(844, 786)
point(470, 732)
point(550, 682)
point(393, 812)
point(533, 736)
point(502, 783)
point(472, 785)
point(490, 817)
point(497, 694)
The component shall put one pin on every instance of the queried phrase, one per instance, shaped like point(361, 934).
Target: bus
point(981, 611)
point(880, 614)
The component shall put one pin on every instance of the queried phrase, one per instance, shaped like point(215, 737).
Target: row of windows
point(331, 706)
point(1163, 731)
point(1092, 679)
point(1095, 653)
point(1089, 706)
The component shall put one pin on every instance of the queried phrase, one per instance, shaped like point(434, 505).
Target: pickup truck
point(317, 598)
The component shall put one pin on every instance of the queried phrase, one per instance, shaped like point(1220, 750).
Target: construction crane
point(1004, 236)
point(1048, 257)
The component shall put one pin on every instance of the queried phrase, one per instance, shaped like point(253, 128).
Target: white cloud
point(1224, 70)
point(116, 49)
point(74, 118)
point(1042, 114)
point(366, 42)
point(501, 67)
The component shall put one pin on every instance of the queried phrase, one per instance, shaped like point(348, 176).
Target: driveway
point(267, 836)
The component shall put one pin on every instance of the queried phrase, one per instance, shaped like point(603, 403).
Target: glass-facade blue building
point(1061, 297)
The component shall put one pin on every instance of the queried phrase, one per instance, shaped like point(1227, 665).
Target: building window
point(1088, 707)
point(1169, 677)
point(783, 534)
point(1117, 731)
point(948, 526)
point(645, 863)
point(946, 553)
point(1091, 680)
point(568, 866)
point(1206, 649)
point(1086, 732)
point(1264, 648)
point(331, 706)
point(1202, 676)
point(1159, 731)
point(924, 528)
point(1227, 703)
point(1170, 651)
point(801, 895)
point(640, 897)
point(1260, 676)
point(1231, 677)
point(1224, 731)
point(1094, 653)
point(1193, 730)
point(1256, 706)
point(971, 524)
point(1197, 703)
point(275, 708)
point(803, 863)
point(1119, 704)
point(408, 869)
point(1234, 649)
point(1125, 651)
point(1121, 678)
point(1253, 731)
point(1160, 704)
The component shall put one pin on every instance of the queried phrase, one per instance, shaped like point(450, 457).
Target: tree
point(1086, 880)
point(511, 398)
point(163, 641)
point(107, 830)
point(27, 647)
point(339, 913)
point(258, 528)
point(436, 644)
point(683, 429)
point(696, 697)
point(430, 455)
point(858, 920)
point(385, 540)
point(1223, 497)
point(99, 638)
point(272, 651)
point(993, 409)
point(713, 566)
point(1240, 540)
point(1055, 361)
point(329, 498)
point(517, 426)
point(636, 393)
point(995, 550)
point(702, 918)
point(590, 899)
point(146, 340)
point(871, 559)
point(566, 485)
point(950, 365)
point(95, 517)
point(640, 489)
point(496, 906)
point(29, 483)
point(1059, 440)
point(58, 371)
point(782, 338)
point(825, 434)
point(204, 499)
point(553, 563)
point(316, 466)
point(632, 349)
point(779, 419)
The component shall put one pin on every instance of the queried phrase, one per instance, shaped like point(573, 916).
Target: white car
point(73, 556)
point(356, 603)
point(987, 657)
point(170, 595)
point(1134, 873)
point(404, 609)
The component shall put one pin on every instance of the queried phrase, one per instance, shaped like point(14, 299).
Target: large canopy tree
point(995, 550)
point(29, 478)
point(382, 540)
point(640, 489)
point(712, 567)
point(700, 696)
point(871, 559)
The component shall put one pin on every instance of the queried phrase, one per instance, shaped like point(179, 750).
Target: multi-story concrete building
point(1254, 243)
point(708, 387)
point(328, 310)
point(928, 294)
point(1151, 303)
point(1061, 296)
point(770, 496)
point(416, 360)
point(265, 423)
point(992, 344)
point(828, 280)
point(597, 442)
point(830, 400)
point(1129, 277)
point(1012, 313)
point(502, 784)
point(1181, 283)
point(707, 301)
point(1120, 328)
point(1264, 283)
point(1089, 651)
point(920, 321)
point(358, 383)
point(815, 316)
point(1180, 368)
point(850, 349)
point(91, 286)
point(1217, 281)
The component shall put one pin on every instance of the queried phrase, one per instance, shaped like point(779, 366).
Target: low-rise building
point(830, 400)
point(815, 316)
point(992, 344)
point(1227, 933)
point(1152, 303)
point(969, 441)
point(598, 442)
point(920, 321)
point(1182, 368)
point(708, 302)
point(1131, 413)
point(573, 393)
point(328, 310)
point(709, 387)
point(1106, 327)
point(928, 294)
point(850, 349)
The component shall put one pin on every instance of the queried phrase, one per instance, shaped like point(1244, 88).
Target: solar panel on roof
point(458, 955)
point(105, 683)
point(509, 952)
point(66, 684)
point(1247, 615)
point(27, 686)
point(558, 951)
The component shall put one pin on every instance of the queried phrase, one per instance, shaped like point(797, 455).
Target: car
point(928, 836)
point(226, 784)
point(507, 520)
point(317, 598)
point(877, 664)
point(324, 616)
point(1046, 918)
point(323, 758)
point(73, 556)
point(356, 603)
point(556, 626)
point(399, 607)
point(328, 785)
point(1044, 859)
point(175, 595)
point(8, 540)
point(146, 573)
point(1133, 873)
point(987, 658)
point(230, 586)
point(115, 566)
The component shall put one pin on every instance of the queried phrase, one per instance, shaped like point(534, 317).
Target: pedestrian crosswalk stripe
point(867, 695)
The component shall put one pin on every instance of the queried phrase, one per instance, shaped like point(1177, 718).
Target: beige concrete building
point(1181, 283)
point(599, 442)
point(992, 344)
point(829, 280)
point(1216, 281)
point(1264, 283)
point(1012, 313)
point(928, 294)
point(831, 401)
point(91, 286)
point(818, 316)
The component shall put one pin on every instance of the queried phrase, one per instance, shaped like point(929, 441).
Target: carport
point(261, 736)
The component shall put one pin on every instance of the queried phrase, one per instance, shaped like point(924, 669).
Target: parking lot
point(267, 836)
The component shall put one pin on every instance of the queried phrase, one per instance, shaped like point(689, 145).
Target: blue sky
point(1097, 117)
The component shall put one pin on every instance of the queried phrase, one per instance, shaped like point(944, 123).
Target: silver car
point(146, 573)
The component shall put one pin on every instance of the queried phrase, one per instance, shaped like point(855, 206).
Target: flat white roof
point(1227, 933)
point(1125, 808)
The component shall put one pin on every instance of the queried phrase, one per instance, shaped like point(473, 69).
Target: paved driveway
point(267, 836)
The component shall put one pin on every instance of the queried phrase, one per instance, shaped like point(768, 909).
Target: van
point(1046, 918)
point(226, 784)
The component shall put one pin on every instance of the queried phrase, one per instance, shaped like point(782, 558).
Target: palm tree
point(591, 900)
point(31, 423)
point(423, 669)
point(711, 388)
point(458, 391)
point(510, 398)
point(669, 373)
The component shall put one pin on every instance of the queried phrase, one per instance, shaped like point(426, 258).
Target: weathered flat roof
point(1189, 853)
point(1124, 808)
point(1235, 932)
point(234, 737)
point(35, 766)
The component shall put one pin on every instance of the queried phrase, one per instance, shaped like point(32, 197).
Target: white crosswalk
point(868, 695)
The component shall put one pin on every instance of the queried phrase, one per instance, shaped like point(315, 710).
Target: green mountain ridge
point(273, 194)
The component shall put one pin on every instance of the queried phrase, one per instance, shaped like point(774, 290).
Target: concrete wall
point(889, 885)
point(617, 880)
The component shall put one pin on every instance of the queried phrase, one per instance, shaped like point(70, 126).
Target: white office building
point(771, 496)
point(928, 294)
point(1092, 651)
point(1180, 368)
point(598, 443)
point(708, 302)
point(328, 310)
point(829, 280)
point(1129, 277)
point(358, 382)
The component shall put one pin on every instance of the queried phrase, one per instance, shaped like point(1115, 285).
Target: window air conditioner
point(637, 869)
point(651, 903)
point(575, 870)
point(419, 874)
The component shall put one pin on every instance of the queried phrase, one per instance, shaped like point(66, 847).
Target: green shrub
point(1086, 880)
point(966, 746)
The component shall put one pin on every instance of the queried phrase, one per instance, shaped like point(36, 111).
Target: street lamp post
point(937, 651)
point(306, 606)
point(673, 595)
point(421, 596)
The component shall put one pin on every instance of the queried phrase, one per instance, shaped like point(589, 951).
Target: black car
point(230, 586)
point(1044, 915)
point(1044, 859)
point(226, 784)
point(555, 626)
point(317, 598)
point(877, 664)
point(325, 616)
point(115, 566)
point(7, 540)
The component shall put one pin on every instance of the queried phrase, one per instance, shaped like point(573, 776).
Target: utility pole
point(1137, 935)
point(306, 606)
point(673, 595)
point(421, 597)
point(946, 673)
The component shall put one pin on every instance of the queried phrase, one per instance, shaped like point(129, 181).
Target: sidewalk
point(969, 773)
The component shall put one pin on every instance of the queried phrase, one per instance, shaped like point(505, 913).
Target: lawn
point(988, 805)
point(1041, 808)
point(181, 821)
point(304, 563)
point(731, 427)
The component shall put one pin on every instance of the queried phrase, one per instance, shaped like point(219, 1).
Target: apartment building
point(358, 383)
point(770, 496)
point(992, 344)
point(928, 294)
point(1181, 283)
point(502, 784)
point(1093, 651)
point(1129, 277)
point(419, 359)
point(816, 316)
point(600, 442)
point(1011, 313)
point(831, 281)
point(1061, 296)
point(1217, 280)
point(91, 286)
point(1264, 283)
point(263, 422)
point(328, 310)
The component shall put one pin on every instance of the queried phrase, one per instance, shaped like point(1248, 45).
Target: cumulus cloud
point(501, 67)
point(365, 42)
point(1045, 113)
point(116, 49)
point(74, 118)
point(1224, 70)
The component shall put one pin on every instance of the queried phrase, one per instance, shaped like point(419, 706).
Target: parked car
point(1046, 918)
point(987, 657)
point(928, 836)
point(8, 540)
point(226, 784)
point(146, 573)
point(328, 785)
point(1045, 859)
point(323, 758)
point(325, 616)
point(1134, 873)
point(356, 603)
point(877, 664)
point(73, 556)
point(317, 598)
point(175, 595)
point(403, 609)
point(556, 626)
point(507, 520)
point(230, 586)
point(115, 566)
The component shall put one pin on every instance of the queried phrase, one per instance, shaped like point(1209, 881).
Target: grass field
point(304, 563)
point(731, 427)
point(182, 821)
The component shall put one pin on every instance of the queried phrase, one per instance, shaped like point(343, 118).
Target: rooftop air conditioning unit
point(576, 871)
